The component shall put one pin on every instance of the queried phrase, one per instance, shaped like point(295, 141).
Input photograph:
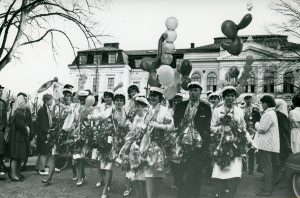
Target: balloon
point(152, 79)
point(166, 59)
point(234, 72)
point(185, 67)
point(171, 23)
point(185, 81)
point(170, 91)
point(89, 101)
point(165, 74)
point(146, 64)
point(249, 5)
point(229, 29)
point(172, 35)
point(235, 47)
point(249, 60)
point(246, 20)
point(168, 48)
point(177, 78)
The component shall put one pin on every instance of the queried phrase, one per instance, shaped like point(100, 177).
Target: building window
point(288, 83)
point(95, 84)
point(196, 77)
point(269, 82)
point(211, 82)
point(250, 87)
point(110, 83)
point(97, 59)
point(112, 58)
point(137, 63)
point(82, 60)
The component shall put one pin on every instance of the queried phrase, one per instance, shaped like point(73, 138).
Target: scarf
point(49, 116)
point(189, 114)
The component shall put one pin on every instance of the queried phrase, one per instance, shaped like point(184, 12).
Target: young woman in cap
point(130, 156)
point(229, 136)
point(214, 99)
point(158, 122)
point(129, 108)
point(101, 111)
point(112, 129)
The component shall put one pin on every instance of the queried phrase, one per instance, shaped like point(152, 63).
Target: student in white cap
point(129, 108)
point(228, 172)
point(192, 115)
point(214, 99)
point(158, 121)
point(131, 149)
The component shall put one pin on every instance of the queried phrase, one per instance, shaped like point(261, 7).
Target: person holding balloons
point(158, 123)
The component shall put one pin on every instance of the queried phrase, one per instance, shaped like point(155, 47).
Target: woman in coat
point(19, 135)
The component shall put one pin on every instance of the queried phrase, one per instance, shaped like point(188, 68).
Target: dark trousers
point(177, 172)
point(191, 174)
point(251, 158)
point(269, 164)
point(227, 187)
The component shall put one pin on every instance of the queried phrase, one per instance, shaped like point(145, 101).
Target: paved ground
point(64, 187)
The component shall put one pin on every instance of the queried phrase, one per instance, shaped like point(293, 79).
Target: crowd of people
point(149, 136)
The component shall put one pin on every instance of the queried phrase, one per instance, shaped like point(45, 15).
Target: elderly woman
point(294, 117)
point(159, 122)
point(19, 135)
point(229, 141)
point(267, 140)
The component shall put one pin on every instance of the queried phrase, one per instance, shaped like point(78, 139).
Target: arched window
point(269, 82)
point(196, 77)
point(288, 82)
point(250, 87)
point(211, 82)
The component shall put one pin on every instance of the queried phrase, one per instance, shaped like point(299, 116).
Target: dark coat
point(19, 139)
point(3, 124)
point(42, 127)
point(201, 122)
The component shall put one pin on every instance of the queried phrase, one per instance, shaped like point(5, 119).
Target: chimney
point(192, 45)
point(113, 45)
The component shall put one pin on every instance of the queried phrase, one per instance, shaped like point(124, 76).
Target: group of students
point(144, 137)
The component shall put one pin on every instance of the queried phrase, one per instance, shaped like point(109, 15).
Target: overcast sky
point(137, 24)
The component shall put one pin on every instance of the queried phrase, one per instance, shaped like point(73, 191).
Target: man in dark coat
point(3, 124)
point(199, 112)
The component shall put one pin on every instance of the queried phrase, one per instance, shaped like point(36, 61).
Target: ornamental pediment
point(256, 50)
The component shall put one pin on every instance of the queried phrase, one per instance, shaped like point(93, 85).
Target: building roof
point(150, 52)
point(101, 49)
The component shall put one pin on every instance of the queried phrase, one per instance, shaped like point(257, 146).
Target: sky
point(137, 25)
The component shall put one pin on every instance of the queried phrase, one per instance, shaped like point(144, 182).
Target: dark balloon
point(235, 47)
point(229, 29)
point(184, 82)
point(153, 80)
point(185, 67)
point(246, 20)
point(146, 64)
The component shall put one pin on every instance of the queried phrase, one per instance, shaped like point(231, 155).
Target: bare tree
point(25, 22)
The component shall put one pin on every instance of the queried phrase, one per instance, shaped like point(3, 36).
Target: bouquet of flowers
point(104, 131)
point(119, 137)
point(229, 143)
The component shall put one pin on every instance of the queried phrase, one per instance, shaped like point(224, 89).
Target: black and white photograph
point(149, 98)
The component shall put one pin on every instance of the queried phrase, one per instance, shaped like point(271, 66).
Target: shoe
point(44, 181)
point(44, 173)
point(2, 179)
point(108, 188)
point(264, 194)
point(99, 184)
point(174, 187)
point(57, 170)
point(15, 179)
point(126, 193)
point(36, 171)
point(21, 176)
point(74, 178)
point(2, 173)
point(81, 182)
point(104, 196)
